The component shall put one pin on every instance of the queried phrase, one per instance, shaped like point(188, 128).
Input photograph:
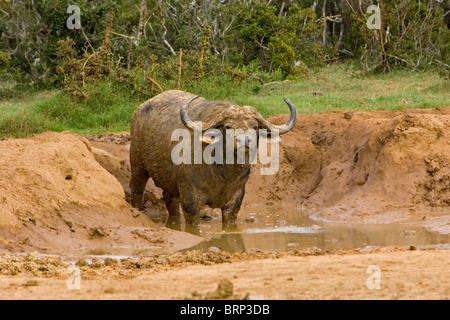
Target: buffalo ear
point(267, 137)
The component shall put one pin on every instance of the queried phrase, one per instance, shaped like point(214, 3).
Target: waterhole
point(287, 229)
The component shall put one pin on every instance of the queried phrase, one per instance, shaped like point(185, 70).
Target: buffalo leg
point(139, 178)
point(231, 209)
point(191, 212)
point(190, 207)
point(173, 206)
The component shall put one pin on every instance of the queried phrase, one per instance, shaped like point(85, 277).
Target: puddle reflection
point(284, 230)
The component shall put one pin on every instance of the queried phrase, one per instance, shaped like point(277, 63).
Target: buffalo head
point(239, 120)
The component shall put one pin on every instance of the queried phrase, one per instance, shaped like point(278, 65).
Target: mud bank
point(365, 167)
point(61, 192)
point(56, 198)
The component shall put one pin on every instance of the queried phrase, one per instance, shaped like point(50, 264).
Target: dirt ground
point(66, 194)
point(403, 275)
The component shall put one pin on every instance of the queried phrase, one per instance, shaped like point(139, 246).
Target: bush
point(30, 31)
point(413, 35)
point(4, 61)
point(286, 42)
point(282, 37)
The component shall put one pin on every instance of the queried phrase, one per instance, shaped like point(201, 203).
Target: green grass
point(342, 88)
point(109, 105)
point(108, 109)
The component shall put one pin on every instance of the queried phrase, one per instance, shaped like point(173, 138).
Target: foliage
point(74, 73)
point(30, 31)
point(4, 61)
point(413, 35)
point(285, 42)
point(286, 38)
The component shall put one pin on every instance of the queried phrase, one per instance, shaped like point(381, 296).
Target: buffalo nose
point(243, 141)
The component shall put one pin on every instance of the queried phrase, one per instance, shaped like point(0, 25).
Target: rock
point(223, 291)
point(251, 220)
point(134, 212)
point(314, 250)
point(214, 249)
point(195, 295)
point(252, 250)
point(30, 283)
point(246, 296)
point(33, 256)
point(97, 263)
point(81, 263)
point(97, 232)
point(109, 290)
point(110, 262)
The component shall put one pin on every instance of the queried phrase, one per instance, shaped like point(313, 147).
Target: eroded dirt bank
point(372, 167)
point(56, 198)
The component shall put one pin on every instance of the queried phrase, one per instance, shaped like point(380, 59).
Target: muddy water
point(287, 229)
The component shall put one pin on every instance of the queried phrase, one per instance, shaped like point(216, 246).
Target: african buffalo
point(219, 185)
